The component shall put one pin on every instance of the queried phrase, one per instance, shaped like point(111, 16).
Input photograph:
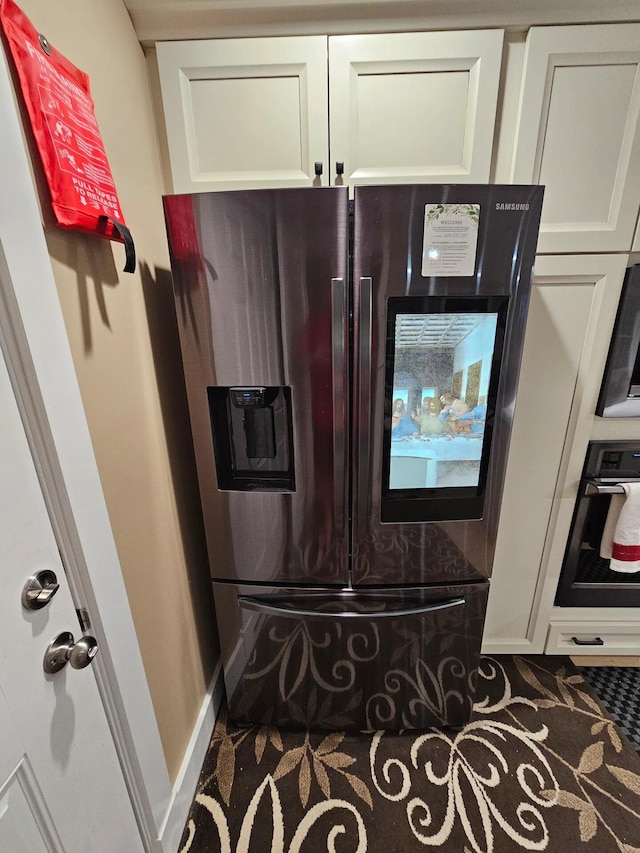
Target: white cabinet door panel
point(579, 134)
point(410, 107)
point(24, 819)
point(245, 113)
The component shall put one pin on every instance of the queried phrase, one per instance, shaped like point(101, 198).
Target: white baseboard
point(510, 646)
point(187, 780)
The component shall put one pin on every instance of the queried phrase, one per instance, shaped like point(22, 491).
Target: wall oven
point(620, 392)
point(586, 579)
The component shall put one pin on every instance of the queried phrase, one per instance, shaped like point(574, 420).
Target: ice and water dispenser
point(252, 437)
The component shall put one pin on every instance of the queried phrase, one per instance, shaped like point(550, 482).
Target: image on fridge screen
point(442, 368)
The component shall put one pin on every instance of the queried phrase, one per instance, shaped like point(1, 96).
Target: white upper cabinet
point(260, 112)
point(579, 134)
point(414, 107)
point(244, 113)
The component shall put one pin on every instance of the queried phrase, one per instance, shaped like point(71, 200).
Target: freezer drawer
point(351, 660)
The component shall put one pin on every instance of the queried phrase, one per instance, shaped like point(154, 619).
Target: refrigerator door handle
point(364, 399)
point(282, 610)
point(338, 355)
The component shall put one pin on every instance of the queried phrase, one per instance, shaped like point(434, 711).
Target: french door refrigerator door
point(260, 281)
point(369, 659)
point(442, 277)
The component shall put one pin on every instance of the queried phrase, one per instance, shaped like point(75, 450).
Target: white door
point(61, 787)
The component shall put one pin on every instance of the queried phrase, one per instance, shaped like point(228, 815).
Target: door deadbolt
point(63, 650)
point(39, 590)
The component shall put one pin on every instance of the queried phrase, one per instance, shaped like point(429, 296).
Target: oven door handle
point(598, 487)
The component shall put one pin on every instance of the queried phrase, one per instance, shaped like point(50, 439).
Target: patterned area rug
point(540, 767)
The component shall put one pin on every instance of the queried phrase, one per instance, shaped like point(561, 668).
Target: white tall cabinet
point(571, 316)
point(560, 107)
point(578, 133)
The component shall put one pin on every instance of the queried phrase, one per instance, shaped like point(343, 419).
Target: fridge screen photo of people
point(351, 371)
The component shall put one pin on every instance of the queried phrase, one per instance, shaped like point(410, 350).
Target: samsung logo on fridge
point(506, 205)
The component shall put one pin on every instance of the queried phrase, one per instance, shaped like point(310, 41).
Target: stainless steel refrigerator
point(351, 371)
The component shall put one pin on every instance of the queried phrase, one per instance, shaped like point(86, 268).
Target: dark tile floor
point(618, 688)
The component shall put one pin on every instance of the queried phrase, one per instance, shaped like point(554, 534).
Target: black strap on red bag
point(127, 239)
point(58, 100)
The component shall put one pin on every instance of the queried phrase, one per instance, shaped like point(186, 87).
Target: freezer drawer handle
point(338, 355)
point(278, 610)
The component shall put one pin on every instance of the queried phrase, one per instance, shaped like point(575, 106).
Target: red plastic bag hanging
point(59, 103)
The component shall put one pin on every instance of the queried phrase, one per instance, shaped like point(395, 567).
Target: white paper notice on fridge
point(450, 239)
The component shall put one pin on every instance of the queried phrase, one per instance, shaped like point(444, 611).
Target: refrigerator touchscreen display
point(439, 399)
point(443, 361)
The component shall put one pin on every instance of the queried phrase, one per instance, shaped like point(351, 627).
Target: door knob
point(317, 168)
point(39, 590)
point(63, 650)
point(339, 167)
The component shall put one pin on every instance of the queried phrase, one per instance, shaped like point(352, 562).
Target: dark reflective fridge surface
point(369, 660)
point(307, 323)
